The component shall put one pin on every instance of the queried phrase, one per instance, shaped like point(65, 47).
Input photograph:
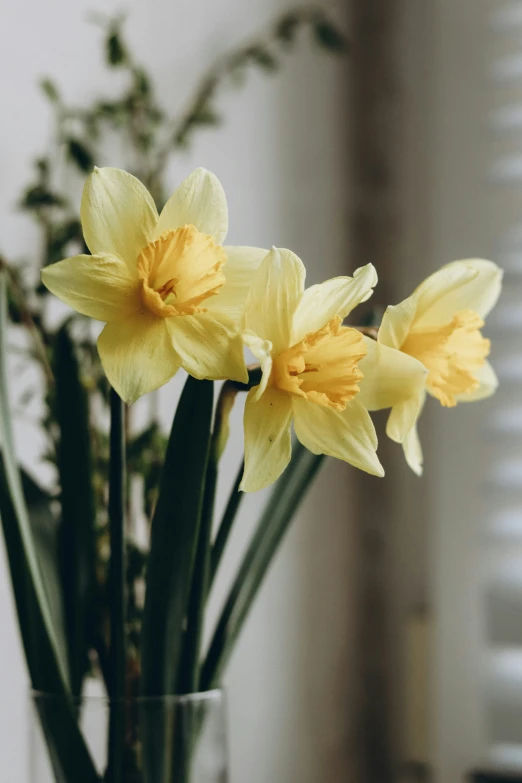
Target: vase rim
point(215, 694)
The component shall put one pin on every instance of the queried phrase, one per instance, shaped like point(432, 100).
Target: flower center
point(452, 354)
point(179, 270)
point(323, 366)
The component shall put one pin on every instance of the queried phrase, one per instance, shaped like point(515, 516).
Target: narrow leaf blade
point(45, 533)
point(174, 537)
point(274, 523)
point(47, 667)
point(77, 527)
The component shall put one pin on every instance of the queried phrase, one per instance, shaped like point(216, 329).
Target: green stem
point(117, 655)
point(271, 529)
point(225, 527)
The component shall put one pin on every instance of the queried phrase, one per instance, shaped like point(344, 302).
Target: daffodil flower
point(440, 326)
point(310, 370)
point(170, 294)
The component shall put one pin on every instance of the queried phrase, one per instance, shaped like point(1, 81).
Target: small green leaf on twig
point(50, 90)
point(287, 27)
point(206, 116)
point(42, 164)
point(201, 116)
point(261, 56)
point(79, 153)
point(115, 52)
point(39, 196)
point(142, 82)
point(329, 36)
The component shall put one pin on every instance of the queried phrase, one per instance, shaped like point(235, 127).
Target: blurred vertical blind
point(501, 553)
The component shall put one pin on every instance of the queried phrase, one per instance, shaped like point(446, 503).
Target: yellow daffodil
point(171, 295)
point(312, 367)
point(440, 326)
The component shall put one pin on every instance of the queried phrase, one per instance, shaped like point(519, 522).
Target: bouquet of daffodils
point(172, 295)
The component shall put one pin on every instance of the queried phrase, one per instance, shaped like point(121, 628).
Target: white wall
point(280, 158)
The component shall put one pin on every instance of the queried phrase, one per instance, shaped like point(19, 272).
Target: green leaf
point(113, 112)
point(14, 484)
point(50, 90)
point(136, 562)
point(70, 757)
point(78, 510)
point(115, 50)
point(279, 512)
point(47, 665)
point(287, 27)
point(142, 82)
point(262, 56)
point(79, 153)
point(152, 477)
point(192, 637)
point(45, 532)
point(205, 116)
point(42, 165)
point(174, 538)
point(329, 36)
point(39, 196)
point(16, 313)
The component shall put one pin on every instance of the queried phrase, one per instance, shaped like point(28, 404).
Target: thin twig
point(217, 74)
point(28, 320)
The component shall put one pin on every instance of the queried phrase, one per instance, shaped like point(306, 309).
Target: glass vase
point(171, 739)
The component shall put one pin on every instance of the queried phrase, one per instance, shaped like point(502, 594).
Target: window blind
point(501, 541)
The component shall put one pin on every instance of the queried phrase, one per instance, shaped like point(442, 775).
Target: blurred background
point(386, 644)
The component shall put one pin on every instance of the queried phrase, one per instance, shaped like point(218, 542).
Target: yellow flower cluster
point(172, 295)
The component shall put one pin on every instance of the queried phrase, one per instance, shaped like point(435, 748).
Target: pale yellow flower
point(171, 295)
point(440, 326)
point(311, 370)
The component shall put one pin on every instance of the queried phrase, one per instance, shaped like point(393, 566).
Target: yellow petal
point(348, 435)
point(275, 293)
point(98, 286)
point(208, 346)
point(474, 284)
point(336, 297)
point(267, 438)
point(488, 380)
point(390, 377)
point(199, 201)
point(413, 451)
point(137, 355)
point(118, 214)
point(241, 265)
point(396, 323)
point(403, 417)
point(262, 350)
